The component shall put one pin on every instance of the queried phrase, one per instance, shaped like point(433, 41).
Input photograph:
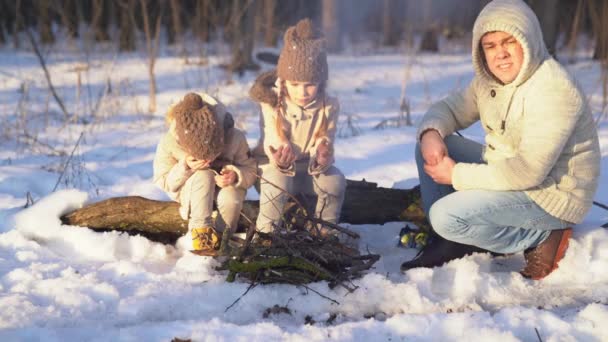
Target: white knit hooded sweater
point(540, 133)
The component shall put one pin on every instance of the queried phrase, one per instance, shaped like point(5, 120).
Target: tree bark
point(331, 24)
point(242, 25)
point(390, 23)
point(175, 29)
point(598, 11)
point(202, 20)
point(69, 16)
point(430, 41)
point(126, 10)
point(270, 30)
point(547, 12)
point(100, 19)
point(44, 22)
point(364, 203)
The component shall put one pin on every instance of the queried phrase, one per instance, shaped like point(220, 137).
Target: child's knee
point(230, 198)
point(203, 177)
point(333, 183)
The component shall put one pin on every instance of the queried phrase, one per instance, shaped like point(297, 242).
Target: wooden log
point(364, 203)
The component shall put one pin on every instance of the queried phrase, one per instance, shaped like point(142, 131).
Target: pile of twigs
point(302, 250)
point(297, 257)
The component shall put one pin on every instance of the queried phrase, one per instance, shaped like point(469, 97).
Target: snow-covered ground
point(61, 283)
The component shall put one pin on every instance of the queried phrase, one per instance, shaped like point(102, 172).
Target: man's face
point(504, 55)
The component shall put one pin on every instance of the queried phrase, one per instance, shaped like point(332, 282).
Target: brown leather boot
point(542, 259)
point(438, 252)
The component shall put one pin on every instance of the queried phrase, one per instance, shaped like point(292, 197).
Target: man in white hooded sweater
point(536, 174)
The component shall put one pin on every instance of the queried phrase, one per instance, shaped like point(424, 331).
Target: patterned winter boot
point(205, 241)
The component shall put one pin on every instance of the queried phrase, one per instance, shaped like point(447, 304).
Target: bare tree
point(270, 31)
point(176, 23)
point(574, 28)
point(331, 24)
point(18, 26)
point(69, 16)
point(390, 24)
point(598, 12)
point(242, 35)
point(151, 47)
point(202, 19)
point(47, 74)
point(127, 24)
point(547, 12)
point(101, 10)
point(44, 22)
point(430, 41)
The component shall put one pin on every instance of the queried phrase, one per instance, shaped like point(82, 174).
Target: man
point(538, 171)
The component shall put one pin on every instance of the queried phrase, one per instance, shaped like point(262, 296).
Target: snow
point(63, 283)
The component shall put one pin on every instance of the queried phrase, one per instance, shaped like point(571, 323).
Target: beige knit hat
point(303, 58)
point(197, 127)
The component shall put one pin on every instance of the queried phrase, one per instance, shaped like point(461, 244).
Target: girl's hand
point(283, 156)
point(196, 164)
point(225, 178)
point(324, 153)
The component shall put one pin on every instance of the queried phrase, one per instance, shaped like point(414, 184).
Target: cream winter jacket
point(300, 124)
point(540, 133)
point(171, 170)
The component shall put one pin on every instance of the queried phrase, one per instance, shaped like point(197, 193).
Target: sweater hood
point(517, 19)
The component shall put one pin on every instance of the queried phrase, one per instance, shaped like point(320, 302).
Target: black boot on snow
point(438, 252)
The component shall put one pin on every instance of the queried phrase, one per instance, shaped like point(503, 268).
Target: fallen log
point(364, 203)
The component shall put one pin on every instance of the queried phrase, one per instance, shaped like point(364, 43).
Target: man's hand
point(324, 153)
point(432, 147)
point(442, 171)
point(196, 164)
point(283, 156)
point(225, 178)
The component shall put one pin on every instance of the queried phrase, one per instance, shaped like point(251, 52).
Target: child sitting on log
point(204, 157)
point(298, 127)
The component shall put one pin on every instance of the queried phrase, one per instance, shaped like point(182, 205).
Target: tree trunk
point(69, 17)
point(270, 32)
point(429, 42)
point(127, 25)
point(598, 11)
point(390, 26)
point(175, 29)
point(331, 24)
point(44, 22)
point(201, 20)
point(547, 12)
point(100, 19)
point(152, 40)
point(364, 203)
point(18, 25)
point(242, 37)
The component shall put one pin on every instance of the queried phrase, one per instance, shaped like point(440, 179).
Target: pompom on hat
point(197, 128)
point(304, 57)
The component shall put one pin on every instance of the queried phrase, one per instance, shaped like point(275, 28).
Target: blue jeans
point(499, 221)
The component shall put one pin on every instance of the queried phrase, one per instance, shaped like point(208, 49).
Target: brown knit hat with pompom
point(197, 128)
point(303, 58)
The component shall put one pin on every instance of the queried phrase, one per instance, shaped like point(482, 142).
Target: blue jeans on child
point(499, 221)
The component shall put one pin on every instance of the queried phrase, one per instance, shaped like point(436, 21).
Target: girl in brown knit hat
point(298, 127)
point(201, 158)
